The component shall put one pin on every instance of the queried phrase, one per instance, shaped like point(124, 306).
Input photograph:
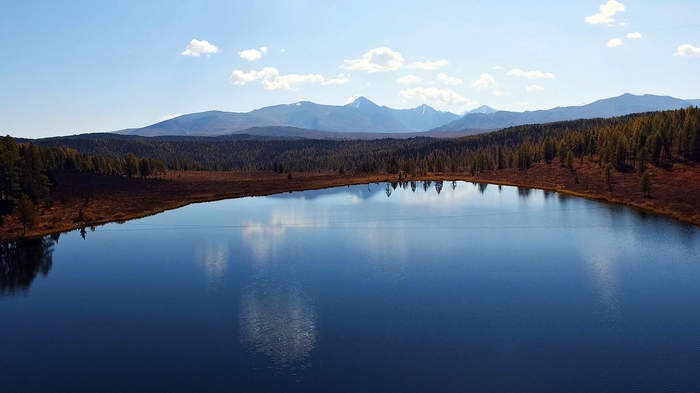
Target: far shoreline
point(110, 199)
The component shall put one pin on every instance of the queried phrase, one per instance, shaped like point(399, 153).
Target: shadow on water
point(21, 262)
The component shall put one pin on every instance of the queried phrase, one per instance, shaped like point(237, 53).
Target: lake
point(418, 287)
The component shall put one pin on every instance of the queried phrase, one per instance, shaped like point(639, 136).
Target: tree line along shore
point(51, 185)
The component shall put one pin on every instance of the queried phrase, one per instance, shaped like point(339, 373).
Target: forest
point(28, 169)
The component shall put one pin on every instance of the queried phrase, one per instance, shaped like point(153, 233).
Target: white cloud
point(250, 55)
point(485, 82)
point(615, 42)
point(409, 80)
point(448, 80)
point(428, 65)
point(634, 35)
point(534, 89)
point(433, 94)
point(687, 50)
point(263, 49)
point(522, 104)
point(196, 48)
point(497, 67)
point(240, 78)
point(340, 80)
point(352, 98)
point(168, 117)
point(291, 81)
point(531, 74)
point(607, 11)
point(376, 60)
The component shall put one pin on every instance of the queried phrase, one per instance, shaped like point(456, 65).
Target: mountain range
point(362, 116)
point(609, 107)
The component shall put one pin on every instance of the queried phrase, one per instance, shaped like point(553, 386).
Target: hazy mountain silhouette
point(307, 119)
point(361, 115)
point(610, 107)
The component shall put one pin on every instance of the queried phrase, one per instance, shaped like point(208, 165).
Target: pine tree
point(439, 166)
point(570, 160)
point(145, 167)
point(131, 165)
point(27, 212)
point(9, 175)
point(607, 174)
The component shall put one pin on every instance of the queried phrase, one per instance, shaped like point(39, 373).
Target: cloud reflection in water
point(278, 321)
point(277, 318)
point(213, 258)
point(604, 274)
point(265, 239)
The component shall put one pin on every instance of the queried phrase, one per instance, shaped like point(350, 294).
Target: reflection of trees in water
point(438, 186)
point(524, 192)
point(21, 262)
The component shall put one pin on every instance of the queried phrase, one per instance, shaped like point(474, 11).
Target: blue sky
point(71, 67)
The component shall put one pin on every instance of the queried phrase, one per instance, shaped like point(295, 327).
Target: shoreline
point(107, 199)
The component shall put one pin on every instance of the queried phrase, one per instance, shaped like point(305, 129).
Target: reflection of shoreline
point(21, 262)
point(197, 187)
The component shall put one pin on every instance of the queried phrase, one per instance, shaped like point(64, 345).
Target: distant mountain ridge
point(610, 107)
point(361, 115)
point(365, 117)
point(482, 109)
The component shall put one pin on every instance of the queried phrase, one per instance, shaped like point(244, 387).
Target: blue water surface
point(426, 287)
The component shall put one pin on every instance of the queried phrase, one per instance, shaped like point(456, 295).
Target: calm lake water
point(441, 287)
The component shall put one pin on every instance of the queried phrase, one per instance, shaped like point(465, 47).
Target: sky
point(71, 67)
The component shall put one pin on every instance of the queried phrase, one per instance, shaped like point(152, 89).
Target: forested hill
point(665, 136)
point(27, 170)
